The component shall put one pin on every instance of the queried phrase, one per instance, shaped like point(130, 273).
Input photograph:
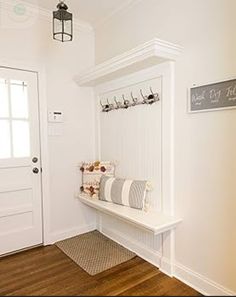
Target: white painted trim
point(152, 221)
point(98, 150)
point(36, 10)
point(161, 50)
point(166, 266)
point(200, 283)
point(15, 188)
point(58, 236)
point(40, 70)
point(16, 210)
point(43, 118)
point(131, 79)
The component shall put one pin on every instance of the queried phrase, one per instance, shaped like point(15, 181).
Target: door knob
point(36, 170)
point(35, 160)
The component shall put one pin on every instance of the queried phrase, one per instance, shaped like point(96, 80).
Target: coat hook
point(151, 91)
point(126, 102)
point(151, 97)
point(101, 104)
point(135, 100)
point(144, 97)
point(111, 105)
point(154, 96)
point(118, 103)
point(106, 107)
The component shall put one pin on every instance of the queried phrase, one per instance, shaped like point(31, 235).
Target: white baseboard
point(64, 234)
point(142, 251)
point(200, 283)
point(165, 266)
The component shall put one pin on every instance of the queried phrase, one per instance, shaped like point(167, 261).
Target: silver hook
point(135, 100)
point(152, 91)
point(144, 97)
point(106, 107)
point(126, 102)
point(111, 105)
point(155, 95)
point(101, 104)
point(118, 104)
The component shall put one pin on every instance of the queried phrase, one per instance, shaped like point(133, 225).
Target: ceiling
point(92, 11)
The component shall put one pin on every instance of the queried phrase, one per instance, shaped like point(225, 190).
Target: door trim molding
point(39, 69)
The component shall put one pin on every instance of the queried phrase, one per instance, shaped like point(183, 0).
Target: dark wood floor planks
point(46, 271)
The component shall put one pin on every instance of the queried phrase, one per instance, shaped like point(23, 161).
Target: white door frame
point(39, 69)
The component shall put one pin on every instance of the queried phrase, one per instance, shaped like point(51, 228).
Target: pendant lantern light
point(62, 23)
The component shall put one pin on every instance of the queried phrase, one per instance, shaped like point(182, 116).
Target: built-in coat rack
point(125, 103)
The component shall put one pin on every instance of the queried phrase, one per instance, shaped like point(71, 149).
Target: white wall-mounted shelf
point(155, 222)
point(151, 53)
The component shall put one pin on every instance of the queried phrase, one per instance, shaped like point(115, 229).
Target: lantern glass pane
point(67, 37)
point(57, 26)
point(59, 36)
point(68, 27)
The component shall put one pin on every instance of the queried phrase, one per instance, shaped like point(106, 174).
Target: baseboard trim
point(165, 266)
point(61, 235)
point(200, 283)
point(140, 250)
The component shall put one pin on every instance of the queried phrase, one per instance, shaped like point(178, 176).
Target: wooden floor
point(46, 271)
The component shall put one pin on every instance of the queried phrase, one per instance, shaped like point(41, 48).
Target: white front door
point(20, 164)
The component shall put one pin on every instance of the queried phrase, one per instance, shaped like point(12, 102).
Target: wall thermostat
point(55, 117)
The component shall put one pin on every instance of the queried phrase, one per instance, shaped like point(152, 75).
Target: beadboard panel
point(140, 141)
point(141, 238)
point(132, 137)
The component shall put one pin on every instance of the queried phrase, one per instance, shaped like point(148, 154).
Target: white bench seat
point(153, 221)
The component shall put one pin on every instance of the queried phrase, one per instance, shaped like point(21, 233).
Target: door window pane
point(5, 140)
point(21, 139)
point(19, 99)
point(4, 104)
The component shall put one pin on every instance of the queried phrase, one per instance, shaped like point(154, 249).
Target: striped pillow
point(125, 192)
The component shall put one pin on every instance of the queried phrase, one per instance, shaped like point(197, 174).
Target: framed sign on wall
point(215, 96)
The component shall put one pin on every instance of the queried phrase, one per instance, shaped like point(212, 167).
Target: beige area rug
point(94, 252)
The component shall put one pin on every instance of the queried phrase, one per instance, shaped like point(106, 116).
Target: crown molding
point(37, 11)
point(119, 10)
point(150, 53)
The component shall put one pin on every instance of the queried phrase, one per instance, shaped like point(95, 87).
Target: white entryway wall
point(205, 241)
point(205, 168)
point(29, 45)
